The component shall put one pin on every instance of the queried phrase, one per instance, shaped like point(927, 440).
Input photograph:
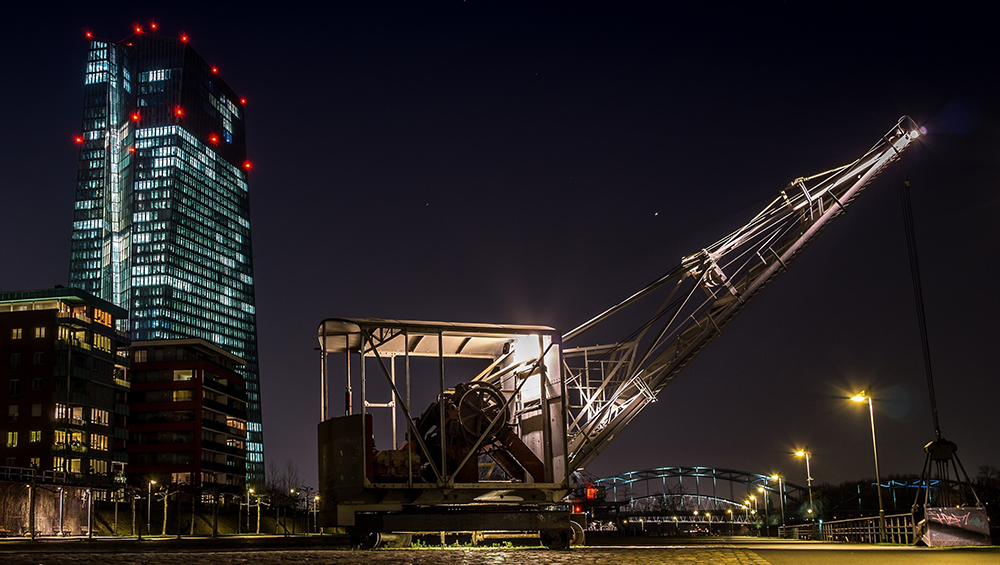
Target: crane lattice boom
point(609, 385)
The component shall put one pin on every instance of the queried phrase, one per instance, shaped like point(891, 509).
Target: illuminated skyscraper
point(161, 225)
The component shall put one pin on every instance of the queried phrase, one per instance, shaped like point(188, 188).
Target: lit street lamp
point(862, 397)
point(767, 509)
point(809, 477)
point(781, 497)
point(249, 492)
point(315, 516)
point(149, 505)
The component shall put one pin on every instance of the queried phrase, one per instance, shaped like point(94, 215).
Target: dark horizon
point(512, 163)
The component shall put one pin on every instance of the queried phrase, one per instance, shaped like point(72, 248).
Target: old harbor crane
point(496, 449)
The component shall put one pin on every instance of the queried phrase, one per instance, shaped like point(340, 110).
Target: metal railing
point(898, 529)
point(29, 474)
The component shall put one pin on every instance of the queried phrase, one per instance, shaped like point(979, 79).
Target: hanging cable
point(918, 294)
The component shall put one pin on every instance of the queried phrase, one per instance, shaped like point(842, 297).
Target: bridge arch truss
point(699, 488)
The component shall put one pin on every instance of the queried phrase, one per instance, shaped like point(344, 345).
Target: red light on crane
point(577, 509)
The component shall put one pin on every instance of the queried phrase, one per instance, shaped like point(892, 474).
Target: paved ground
point(282, 551)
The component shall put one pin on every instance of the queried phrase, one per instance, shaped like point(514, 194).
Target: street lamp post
point(862, 397)
point(295, 502)
point(781, 497)
point(249, 492)
point(767, 510)
point(149, 506)
point(315, 515)
point(809, 477)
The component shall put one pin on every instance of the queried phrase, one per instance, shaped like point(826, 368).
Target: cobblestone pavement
point(580, 556)
point(279, 551)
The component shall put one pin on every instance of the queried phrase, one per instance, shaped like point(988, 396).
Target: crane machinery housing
point(497, 450)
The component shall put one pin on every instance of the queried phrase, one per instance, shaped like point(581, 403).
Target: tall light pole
point(781, 497)
point(249, 492)
point(862, 397)
point(149, 506)
point(809, 477)
point(315, 510)
point(767, 510)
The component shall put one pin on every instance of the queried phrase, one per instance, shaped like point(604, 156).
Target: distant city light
point(138, 29)
point(152, 25)
point(184, 37)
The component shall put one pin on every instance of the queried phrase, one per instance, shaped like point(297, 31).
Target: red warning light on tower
point(135, 116)
point(179, 112)
point(152, 25)
point(78, 139)
point(131, 149)
point(215, 70)
point(247, 165)
point(243, 100)
point(138, 28)
point(89, 35)
point(213, 138)
point(184, 37)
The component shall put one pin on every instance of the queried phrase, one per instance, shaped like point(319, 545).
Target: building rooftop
point(193, 342)
point(61, 293)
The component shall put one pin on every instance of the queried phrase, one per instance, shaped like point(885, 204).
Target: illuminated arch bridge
point(693, 491)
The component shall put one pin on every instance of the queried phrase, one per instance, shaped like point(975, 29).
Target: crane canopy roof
point(419, 338)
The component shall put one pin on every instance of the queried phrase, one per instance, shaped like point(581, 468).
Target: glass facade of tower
point(161, 225)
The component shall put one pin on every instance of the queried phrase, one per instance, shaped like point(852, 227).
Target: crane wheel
point(381, 540)
point(555, 539)
point(579, 536)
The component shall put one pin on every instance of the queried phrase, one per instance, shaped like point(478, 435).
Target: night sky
point(505, 162)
